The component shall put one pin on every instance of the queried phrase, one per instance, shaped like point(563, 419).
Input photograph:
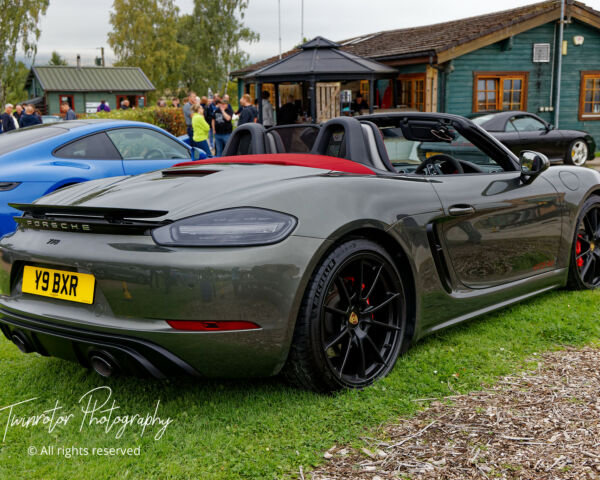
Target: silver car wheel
point(579, 152)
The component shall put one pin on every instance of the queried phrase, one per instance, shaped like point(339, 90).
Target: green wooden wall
point(459, 83)
point(80, 100)
point(578, 58)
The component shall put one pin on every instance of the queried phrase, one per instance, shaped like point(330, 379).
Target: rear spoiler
point(113, 215)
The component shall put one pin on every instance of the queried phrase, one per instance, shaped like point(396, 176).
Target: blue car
point(37, 160)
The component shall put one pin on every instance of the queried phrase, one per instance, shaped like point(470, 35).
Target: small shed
point(320, 69)
point(85, 87)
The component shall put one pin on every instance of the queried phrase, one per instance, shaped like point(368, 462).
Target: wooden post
point(371, 94)
point(277, 104)
point(312, 94)
point(431, 89)
point(258, 94)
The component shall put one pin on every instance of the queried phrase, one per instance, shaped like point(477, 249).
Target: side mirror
point(549, 126)
point(532, 164)
point(196, 154)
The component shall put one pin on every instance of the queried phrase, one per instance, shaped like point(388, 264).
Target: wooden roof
point(443, 41)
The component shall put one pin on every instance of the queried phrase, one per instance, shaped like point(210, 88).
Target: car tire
point(584, 264)
point(577, 153)
point(352, 321)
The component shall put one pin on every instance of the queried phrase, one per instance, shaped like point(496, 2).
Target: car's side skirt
point(557, 275)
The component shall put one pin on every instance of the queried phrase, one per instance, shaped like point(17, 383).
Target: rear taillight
point(211, 326)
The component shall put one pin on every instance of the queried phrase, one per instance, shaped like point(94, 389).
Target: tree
point(57, 60)
point(213, 33)
point(19, 30)
point(145, 35)
point(15, 85)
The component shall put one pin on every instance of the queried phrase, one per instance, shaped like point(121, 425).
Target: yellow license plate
point(72, 286)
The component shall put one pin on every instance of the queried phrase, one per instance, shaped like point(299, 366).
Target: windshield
point(15, 139)
point(405, 155)
point(481, 120)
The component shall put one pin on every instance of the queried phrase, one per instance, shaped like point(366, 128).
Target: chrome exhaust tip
point(103, 364)
point(22, 342)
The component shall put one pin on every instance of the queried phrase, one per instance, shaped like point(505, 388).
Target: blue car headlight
point(234, 227)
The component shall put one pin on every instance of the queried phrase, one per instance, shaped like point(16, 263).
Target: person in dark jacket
point(288, 113)
point(66, 109)
point(18, 112)
point(221, 123)
point(9, 122)
point(359, 103)
point(248, 112)
point(29, 118)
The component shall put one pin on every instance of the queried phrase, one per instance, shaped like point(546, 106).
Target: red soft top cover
point(296, 159)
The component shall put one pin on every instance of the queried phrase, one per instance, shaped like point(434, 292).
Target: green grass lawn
point(264, 429)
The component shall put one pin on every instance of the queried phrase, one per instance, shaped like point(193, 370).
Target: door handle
point(458, 210)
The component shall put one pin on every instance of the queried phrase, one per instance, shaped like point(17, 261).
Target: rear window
point(295, 139)
point(16, 139)
point(482, 119)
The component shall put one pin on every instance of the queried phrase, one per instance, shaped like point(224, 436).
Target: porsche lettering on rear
point(48, 225)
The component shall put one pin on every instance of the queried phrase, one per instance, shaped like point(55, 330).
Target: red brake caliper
point(368, 303)
point(578, 251)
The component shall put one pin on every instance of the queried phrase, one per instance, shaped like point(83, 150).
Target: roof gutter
point(431, 54)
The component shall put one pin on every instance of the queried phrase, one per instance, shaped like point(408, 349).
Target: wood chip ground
point(540, 424)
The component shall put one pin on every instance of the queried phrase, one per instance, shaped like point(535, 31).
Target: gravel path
point(541, 424)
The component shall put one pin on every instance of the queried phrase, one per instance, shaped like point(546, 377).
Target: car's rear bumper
point(140, 287)
point(128, 354)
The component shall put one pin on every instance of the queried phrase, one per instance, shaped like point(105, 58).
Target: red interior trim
point(211, 326)
point(294, 159)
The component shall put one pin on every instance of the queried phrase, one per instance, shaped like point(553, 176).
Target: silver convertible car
point(322, 265)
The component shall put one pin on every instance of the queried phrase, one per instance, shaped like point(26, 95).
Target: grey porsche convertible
point(320, 252)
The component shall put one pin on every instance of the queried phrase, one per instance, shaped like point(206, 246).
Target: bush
point(171, 119)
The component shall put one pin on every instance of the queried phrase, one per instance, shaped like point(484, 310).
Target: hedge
point(171, 119)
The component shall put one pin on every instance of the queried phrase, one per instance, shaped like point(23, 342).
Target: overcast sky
point(80, 26)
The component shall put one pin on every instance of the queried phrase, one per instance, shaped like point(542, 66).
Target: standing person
point(288, 113)
point(208, 115)
point(175, 102)
point(9, 122)
point(359, 103)
point(200, 128)
point(29, 118)
point(125, 104)
point(187, 114)
point(103, 107)
point(248, 113)
point(221, 123)
point(68, 112)
point(267, 110)
point(18, 112)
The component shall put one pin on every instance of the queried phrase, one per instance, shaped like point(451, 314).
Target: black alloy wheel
point(584, 272)
point(353, 320)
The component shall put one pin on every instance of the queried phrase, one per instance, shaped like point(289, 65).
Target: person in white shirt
point(267, 110)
